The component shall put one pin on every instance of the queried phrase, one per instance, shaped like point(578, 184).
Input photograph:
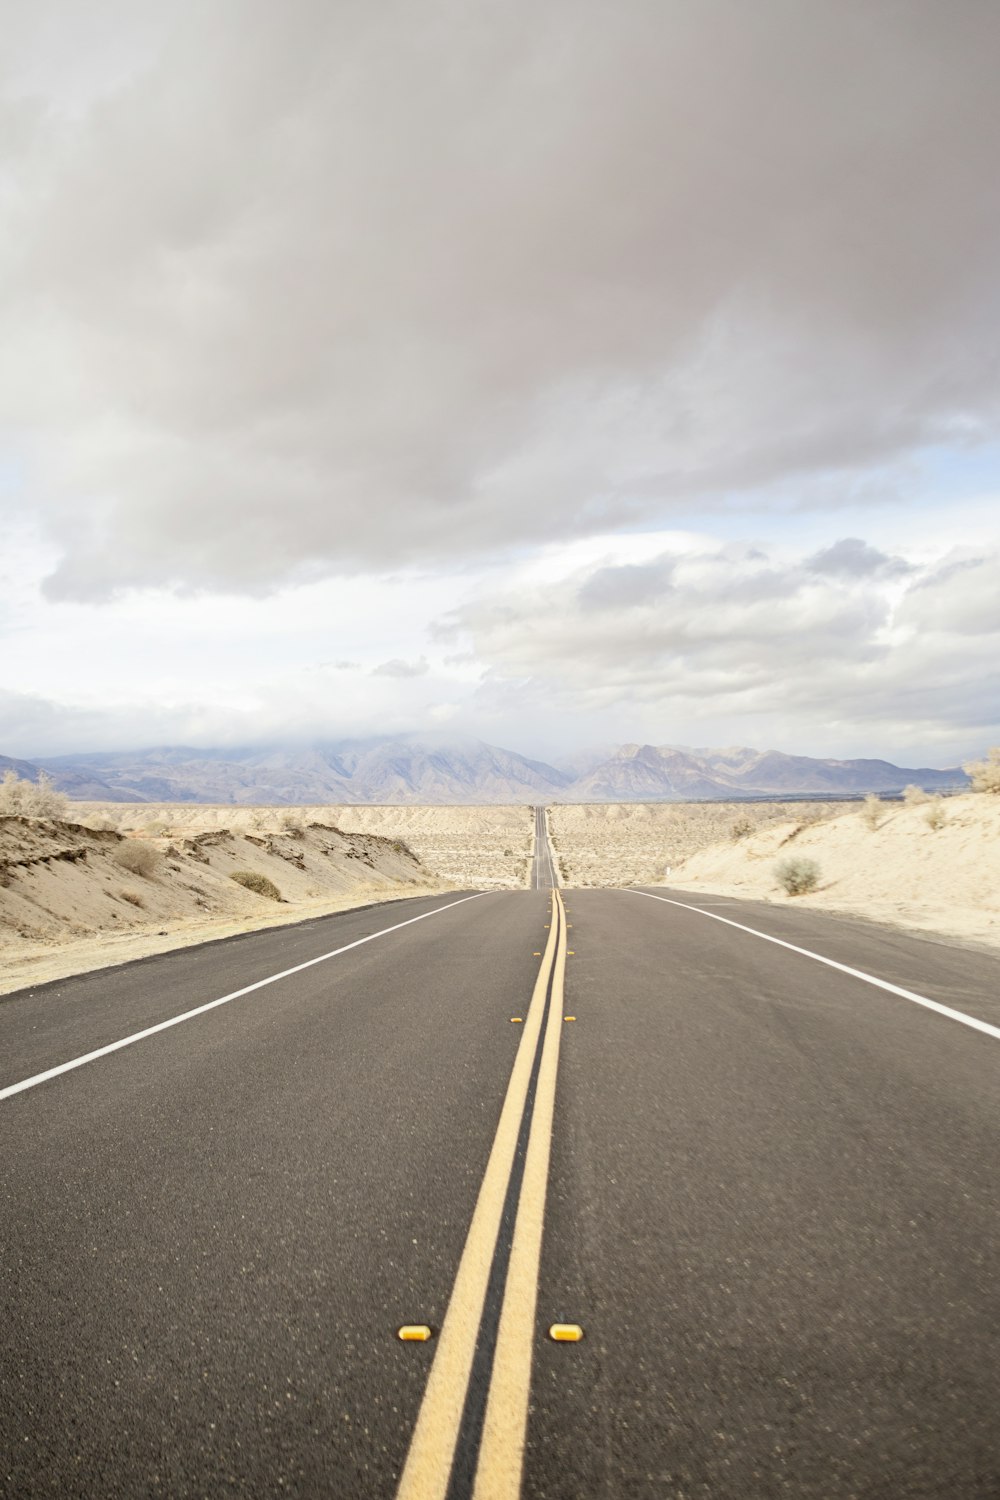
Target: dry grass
point(936, 815)
point(137, 858)
point(253, 880)
point(798, 875)
point(31, 799)
point(985, 774)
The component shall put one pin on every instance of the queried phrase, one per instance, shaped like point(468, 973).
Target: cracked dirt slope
point(69, 901)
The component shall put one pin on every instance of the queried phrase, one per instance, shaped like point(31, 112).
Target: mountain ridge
point(416, 769)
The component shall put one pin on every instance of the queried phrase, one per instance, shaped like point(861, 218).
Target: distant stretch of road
point(750, 1152)
point(543, 867)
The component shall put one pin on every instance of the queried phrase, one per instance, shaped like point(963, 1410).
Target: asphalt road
point(543, 867)
point(773, 1208)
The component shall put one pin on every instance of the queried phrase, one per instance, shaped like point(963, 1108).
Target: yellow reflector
point(566, 1333)
point(569, 1018)
point(516, 1020)
point(414, 1333)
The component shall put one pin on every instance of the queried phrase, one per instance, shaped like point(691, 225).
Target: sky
point(566, 374)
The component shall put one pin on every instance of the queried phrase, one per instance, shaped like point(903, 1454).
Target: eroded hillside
point(74, 897)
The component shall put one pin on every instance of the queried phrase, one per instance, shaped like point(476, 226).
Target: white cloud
point(869, 654)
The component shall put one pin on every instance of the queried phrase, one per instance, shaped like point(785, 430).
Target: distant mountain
point(666, 773)
point(26, 769)
point(403, 770)
point(439, 769)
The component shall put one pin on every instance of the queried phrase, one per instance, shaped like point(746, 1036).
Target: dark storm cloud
point(303, 288)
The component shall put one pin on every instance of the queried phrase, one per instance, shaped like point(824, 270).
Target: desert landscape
point(105, 883)
point(645, 843)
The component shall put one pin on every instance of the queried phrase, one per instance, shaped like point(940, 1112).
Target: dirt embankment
point(479, 848)
point(74, 898)
point(905, 871)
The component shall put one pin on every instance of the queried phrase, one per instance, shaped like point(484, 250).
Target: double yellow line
point(468, 1443)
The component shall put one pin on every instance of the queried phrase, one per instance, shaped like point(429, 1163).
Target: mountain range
point(423, 769)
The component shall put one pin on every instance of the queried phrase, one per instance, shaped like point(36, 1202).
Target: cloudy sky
point(565, 373)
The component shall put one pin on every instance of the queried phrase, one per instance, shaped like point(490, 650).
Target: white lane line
point(199, 1010)
point(831, 963)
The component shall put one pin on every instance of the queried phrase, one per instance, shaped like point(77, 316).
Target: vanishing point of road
point(748, 1152)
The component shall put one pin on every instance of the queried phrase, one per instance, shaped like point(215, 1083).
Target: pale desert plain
point(69, 903)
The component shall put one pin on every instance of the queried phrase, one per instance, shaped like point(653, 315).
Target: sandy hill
point(74, 897)
point(902, 871)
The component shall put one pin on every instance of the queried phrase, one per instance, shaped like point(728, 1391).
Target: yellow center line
point(432, 1447)
point(501, 1456)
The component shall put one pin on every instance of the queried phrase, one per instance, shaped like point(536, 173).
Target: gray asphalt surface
point(543, 866)
point(773, 1207)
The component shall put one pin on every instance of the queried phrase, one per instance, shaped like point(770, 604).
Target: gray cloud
point(629, 586)
point(299, 289)
point(399, 668)
point(960, 598)
point(853, 558)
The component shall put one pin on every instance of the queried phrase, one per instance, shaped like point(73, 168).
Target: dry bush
point(936, 817)
point(132, 897)
point(137, 858)
point(253, 881)
point(796, 876)
point(985, 774)
point(813, 815)
point(291, 823)
point(913, 796)
point(400, 846)
point(871, 810)
point(31, 799)
point(741, 829)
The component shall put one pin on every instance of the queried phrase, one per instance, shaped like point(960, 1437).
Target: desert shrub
point(871, 810)
point(508, 854)
point(292, 824)
point(796, 876)
point(741, 829)
point(137, 858)
point(985, 774)
point(935, 817)
point(914, 795)
point(132, 897)
point(400, 846)
point(256, 882)
point(31, 799)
